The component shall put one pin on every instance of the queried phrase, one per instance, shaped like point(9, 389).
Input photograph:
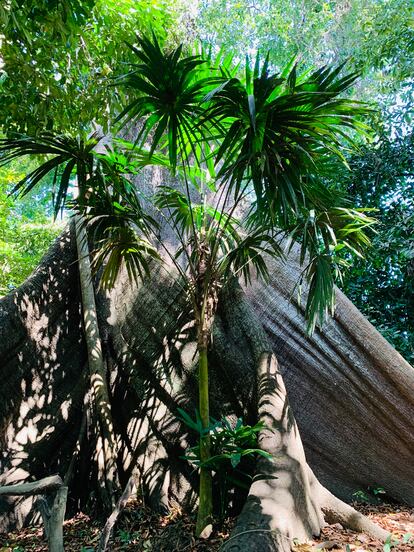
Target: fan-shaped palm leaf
point(117, 220)
point(167, 89)
point(327, 233)
point(278, 129)
point(183, 212)
point(251, 253)
point(64, 156)
point(121, 246)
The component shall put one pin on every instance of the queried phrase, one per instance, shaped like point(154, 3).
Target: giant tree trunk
point(351, 392)
point(344, 385)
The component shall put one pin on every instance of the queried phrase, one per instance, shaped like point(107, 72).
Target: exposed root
point(110, 522)
point(287, 504)
point(336, 511)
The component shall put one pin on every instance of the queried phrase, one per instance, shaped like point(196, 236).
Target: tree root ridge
point(336, 511)
point(288, 504)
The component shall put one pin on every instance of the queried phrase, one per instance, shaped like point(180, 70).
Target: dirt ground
point(140, 530)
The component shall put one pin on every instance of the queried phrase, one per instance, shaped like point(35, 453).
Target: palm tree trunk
point(205, 505)
point(105, 446)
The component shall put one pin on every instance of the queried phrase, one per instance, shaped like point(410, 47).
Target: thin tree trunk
point(110, 522)
point(105, 446)
point(205, 506)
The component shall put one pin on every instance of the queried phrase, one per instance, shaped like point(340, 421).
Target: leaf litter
point(141, 530)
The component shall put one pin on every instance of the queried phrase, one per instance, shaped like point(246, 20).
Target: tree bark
point(286, 502)
point(351, 393)
point(53, 521)
point(105, 446)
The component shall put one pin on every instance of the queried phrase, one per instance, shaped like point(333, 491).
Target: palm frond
point(65, 156)
point(328, 236)
point(279, 128)
point(167, 89)
point(321, 294)
point(117, 221)
point(122, 246)
point(251, 253)
point(195, 173)
point(182, 212)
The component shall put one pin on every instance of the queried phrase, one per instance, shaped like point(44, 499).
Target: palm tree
point(68, 157)
point(251, 152)
point(270, 137)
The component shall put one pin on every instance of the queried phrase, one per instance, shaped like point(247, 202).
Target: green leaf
point(169, 88)
point(235, 459)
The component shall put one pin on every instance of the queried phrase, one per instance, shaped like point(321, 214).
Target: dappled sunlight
point(285, 497)
point(43, 361)
point(149, 347)
point(154, 370)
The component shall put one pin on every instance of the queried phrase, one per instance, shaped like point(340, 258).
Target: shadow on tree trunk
point(337, 381)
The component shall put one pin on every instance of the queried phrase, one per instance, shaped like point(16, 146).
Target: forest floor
point(140, 530)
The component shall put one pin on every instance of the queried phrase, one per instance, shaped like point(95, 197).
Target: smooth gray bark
point(53, 517)
point(286, 504)
point(43, 486)
point(105, 446)
point(351, 392)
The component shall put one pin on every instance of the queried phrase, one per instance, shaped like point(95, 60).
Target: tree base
point(348, 371)
point(287, 505)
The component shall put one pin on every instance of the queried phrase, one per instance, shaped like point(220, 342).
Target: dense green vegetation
point(375, 35)
point(26, 227)
point(64, 86)
point(58, 57)
point(281, 124)
point(381, 177)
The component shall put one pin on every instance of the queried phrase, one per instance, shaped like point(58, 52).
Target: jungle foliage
point(26, 227)
point(382, 177)
point(261, 138)
point(272, 134)
point(57, 57)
